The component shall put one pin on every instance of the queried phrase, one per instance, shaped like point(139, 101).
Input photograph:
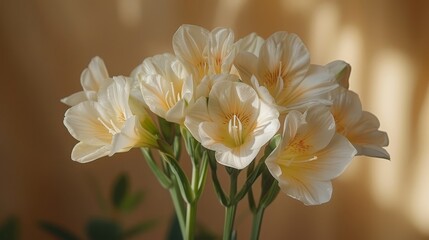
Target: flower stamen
point(235, 130)
point(171, 97)
point(113, 129)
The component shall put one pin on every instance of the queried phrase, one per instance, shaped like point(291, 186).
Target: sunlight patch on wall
point(301, 6)
point(227, 12)
point(419, 197)
point(324, 31)
point(350, 49)
point(130, 12)
point(391, 81)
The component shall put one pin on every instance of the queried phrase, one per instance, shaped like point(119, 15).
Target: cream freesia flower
point(207, 52)
point(166, 86)
point(360, 127)
point(92, 79)
point(309, 155)
point(108, 125)
point(233, 122)
point(286, 79)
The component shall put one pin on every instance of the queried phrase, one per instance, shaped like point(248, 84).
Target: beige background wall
point(45, 44)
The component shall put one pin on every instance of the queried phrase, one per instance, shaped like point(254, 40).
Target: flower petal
point(197, 114)
point(341, 71)
point(237, 158)
point(93, 77)
point(309, 193)
point(246, 64)
point(114, 99)
point(84, 153)
point(366, 137)
point(190, 43)
point(213, 137)
point(288, 50)
point(331, 161)
point(74, 99)
point(251, 43)
point(269, 124)
point(320, 128)
point(346, 108)
point(314, 88)
point(221, 51)
point(152, 87)
point(83, 123)
point(127, 138)
point(232, 98)
point(177, 113)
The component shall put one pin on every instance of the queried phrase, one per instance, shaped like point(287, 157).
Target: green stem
point(191, 208)
point(191, 213)
point(178, 207)
point(257, 222)
point(228, 226)
point(231, 208)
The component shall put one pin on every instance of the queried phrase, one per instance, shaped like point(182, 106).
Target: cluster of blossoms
point(234, 98)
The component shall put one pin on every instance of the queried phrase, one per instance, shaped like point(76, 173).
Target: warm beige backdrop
point(45, 44)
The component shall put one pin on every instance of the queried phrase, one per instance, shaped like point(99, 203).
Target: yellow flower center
point(218, 63)
point(202, 68)
point(172, 96)
point(274, 80)
point(110, 126)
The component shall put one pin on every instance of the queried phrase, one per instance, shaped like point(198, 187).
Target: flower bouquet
point(255, 106)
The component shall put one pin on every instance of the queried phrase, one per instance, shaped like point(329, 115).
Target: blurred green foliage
point(122, 201)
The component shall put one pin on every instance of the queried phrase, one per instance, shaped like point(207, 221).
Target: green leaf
point(120, 190)
point(163, 179)
point(96, 189)
point(9, 230)
point(56, 231)
point(177, 147)
point(131, 202)
point(202, 173)
point(139, 229)
point(103, 229)
point(217, 186)
point(266, 181)
point(168, 130)
point(182, 180)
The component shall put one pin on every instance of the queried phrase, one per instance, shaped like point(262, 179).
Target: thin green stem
point(216, 184)
point(257, 222)
point(228, 226)
point(191, 215)
point(191, 208)
point(178, 207)
point(231, 208)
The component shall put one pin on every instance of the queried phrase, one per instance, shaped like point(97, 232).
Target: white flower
point(284, 75)
point(166, 86)
point(205, 53)
point(360, 127)
point(233, 122)
point(309, 155)
point(92, 79)
point(108, 125)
